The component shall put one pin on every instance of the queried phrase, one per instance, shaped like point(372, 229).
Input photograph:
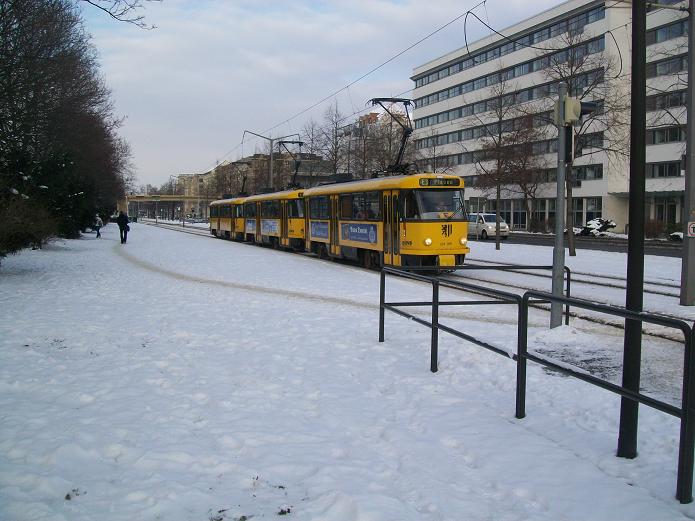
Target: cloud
point(212, 69)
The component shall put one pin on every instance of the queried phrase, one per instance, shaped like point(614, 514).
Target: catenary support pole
point(632, 348)
point(271, 180)
point(688, 266)
point(559, 248)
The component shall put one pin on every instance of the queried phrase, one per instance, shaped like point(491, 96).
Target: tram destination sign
point(691, 229)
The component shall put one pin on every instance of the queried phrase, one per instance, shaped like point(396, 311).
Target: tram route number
point(691, 229)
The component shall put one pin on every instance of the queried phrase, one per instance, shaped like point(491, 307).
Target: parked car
point(484, 225)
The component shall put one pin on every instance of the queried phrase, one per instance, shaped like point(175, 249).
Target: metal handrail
point(502, 298)
point(685, 412)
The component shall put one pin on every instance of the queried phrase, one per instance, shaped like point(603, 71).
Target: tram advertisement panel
point(319, 230)
point(359, 233)
point(269, 226)
point(250, 225)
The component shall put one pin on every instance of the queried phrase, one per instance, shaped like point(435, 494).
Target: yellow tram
point(413, 220)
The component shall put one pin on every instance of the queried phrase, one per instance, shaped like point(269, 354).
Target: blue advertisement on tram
point(319, 230)
point(269, 226)
point(359, 232)
point(250, 225)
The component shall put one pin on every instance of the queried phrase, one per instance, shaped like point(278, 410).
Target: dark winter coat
point(122, 220)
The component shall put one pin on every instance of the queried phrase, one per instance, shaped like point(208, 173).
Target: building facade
point(472, 103)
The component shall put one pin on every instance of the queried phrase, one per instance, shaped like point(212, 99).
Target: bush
point(23, 224)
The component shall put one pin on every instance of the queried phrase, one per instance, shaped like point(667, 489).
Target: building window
point(667, 100)
point(578, 211)
point(657, 136)
point(668, 66)
point(666, 169)
point(593, 208)
point(588, 172)
point(667, 32)
point(512, 44)
point(591, 47)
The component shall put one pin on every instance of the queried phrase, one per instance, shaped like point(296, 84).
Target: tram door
point(283, 223)
point(335, 247)
point(259, 239)
point(392, 241)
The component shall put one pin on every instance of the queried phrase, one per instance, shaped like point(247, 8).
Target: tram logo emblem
point(447, 229)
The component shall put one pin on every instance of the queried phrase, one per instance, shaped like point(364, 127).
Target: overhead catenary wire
point(362, 77)
point(410, 47)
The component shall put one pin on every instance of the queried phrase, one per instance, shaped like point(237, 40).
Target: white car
point(484, 225)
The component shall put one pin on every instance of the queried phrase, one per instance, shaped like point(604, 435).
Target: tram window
point(238, 210)
point(295, 208)
point(346, 207)
point(250, 209)
point(213, 211)
point(318, 207)
point(365, 206)
point(410, 210)
point(270, 209)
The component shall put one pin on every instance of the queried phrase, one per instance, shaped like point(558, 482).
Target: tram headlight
point(428, 241)
point(463, 241)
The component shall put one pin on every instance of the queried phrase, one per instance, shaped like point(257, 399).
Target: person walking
point(123, 227)
point(98, 223)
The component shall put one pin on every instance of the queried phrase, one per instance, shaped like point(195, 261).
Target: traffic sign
point(691, 229)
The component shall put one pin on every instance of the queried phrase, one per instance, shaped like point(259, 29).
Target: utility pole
point(559, 247)
point(632, 347)
point(272, 140)
point(688, 266)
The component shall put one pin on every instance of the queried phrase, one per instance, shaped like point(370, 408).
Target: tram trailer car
point(415, 220)
point(221, 219)
point(275, 219)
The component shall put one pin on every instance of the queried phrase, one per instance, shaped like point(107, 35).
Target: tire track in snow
point(290, 293)
point(239, 285)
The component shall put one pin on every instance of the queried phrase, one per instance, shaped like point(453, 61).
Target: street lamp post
point(171, 183)
point(272, 141)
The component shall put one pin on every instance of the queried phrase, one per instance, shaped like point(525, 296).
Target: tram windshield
point(442, 205)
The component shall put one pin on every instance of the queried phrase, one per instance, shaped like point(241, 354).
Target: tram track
point(613, 281)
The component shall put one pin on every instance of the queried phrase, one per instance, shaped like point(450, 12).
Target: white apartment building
point(454, 95)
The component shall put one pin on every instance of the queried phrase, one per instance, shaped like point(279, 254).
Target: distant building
point(453, 92)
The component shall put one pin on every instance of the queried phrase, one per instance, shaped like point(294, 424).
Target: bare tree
point(127, 11)
point(495, 153)
point(331, 146)
point(590, 74)
point(428, 152)
point(526, 167)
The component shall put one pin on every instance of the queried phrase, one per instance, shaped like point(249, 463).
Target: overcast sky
point(213, 68)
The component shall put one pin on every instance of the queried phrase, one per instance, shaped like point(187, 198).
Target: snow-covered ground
point(183, 378)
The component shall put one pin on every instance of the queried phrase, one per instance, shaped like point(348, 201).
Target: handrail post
point(435, 327)
point(521, 348)
point(568, 295)
point(382, 297)
point(684, 482)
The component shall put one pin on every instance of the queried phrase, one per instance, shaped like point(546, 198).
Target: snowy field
point(183, 378)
